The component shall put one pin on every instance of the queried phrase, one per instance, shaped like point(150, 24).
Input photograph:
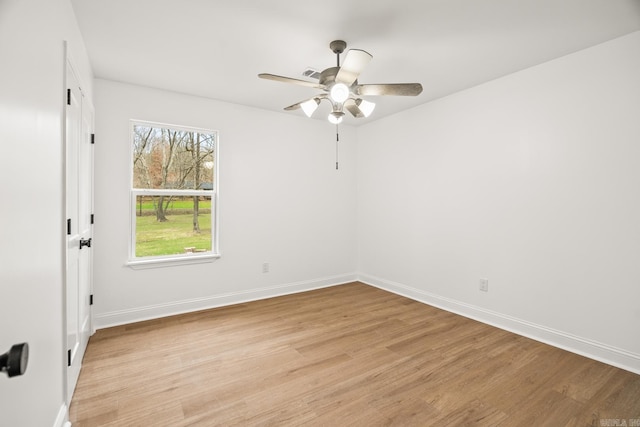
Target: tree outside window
point(173, 190)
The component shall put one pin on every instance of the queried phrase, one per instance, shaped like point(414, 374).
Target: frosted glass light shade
point(336, 117)
point(339, 92)
point(310, 106)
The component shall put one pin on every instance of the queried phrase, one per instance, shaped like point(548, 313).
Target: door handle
point(14, 362)
point(85, 242)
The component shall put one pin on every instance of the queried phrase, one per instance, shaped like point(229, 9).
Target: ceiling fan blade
point(397, 89)
point(297, 105)
point(352, 107)
point(298, 82)
point(294, 106)
point(353, 64)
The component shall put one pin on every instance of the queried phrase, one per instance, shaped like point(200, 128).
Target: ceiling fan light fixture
point(365, 106)
point(335, 117)
point(339, 92)
point(340, 85)
point(310, 106)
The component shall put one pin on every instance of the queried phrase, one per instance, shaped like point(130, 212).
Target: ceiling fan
point(340, 86)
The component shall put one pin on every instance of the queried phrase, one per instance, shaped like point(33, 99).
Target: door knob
point(14, 362)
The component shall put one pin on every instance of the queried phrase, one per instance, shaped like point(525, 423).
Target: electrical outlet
point(265, 267)
point(484, 285)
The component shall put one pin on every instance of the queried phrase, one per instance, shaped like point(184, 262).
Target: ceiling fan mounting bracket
point(338, 46)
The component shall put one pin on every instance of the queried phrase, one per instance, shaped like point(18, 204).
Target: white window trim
point(176, 259)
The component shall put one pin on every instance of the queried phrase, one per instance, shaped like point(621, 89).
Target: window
point(173, 194)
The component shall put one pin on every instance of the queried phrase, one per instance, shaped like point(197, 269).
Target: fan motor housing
point(328, 76)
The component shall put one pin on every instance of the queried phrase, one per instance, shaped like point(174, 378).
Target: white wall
point(281, 201)
point(32, 217)
point(530, 181)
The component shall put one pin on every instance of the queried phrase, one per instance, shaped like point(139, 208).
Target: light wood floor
point(350, 355)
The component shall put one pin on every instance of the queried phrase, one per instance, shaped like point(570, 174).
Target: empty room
point(327, 214)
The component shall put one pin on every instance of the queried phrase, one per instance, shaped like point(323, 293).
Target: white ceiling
point(216, 48)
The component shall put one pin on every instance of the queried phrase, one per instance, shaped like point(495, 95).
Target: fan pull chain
point(337, 140)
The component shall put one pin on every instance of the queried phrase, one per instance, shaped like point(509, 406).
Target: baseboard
point(139, 314)
point(582, 346)
point(61, 419)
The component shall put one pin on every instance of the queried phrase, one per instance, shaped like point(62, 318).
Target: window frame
point(173, 259)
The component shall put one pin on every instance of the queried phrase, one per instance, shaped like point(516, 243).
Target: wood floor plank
point(346, 355)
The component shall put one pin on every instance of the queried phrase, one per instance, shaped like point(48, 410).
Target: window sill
point(159, 262)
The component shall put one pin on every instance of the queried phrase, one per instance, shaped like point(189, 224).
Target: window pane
point(170, 225)
point(166, 158)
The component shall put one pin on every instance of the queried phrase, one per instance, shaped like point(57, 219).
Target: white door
point(79, 207)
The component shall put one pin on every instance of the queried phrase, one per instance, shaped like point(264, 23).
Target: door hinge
point(93, 138)
point(68, 226)
point(92, 218)
point(68, 357)
point(91, 299)
point(68, 96)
